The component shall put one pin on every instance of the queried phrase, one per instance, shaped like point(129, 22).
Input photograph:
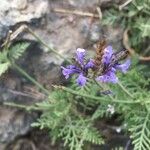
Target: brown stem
point(75, 12)
point(131, 50)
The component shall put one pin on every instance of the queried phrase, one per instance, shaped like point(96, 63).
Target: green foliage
point(136, 116)
point(75, 132)
point(140, 128)
point(4, 63)
point(54, 109)
point(64, 121)
point(131, 99)
point(71, 114)
point(7, 56)
point(17, 50)
point(135, 16)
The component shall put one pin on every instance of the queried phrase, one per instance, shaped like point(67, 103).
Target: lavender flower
point(106, 63)
point(111, 66)
point(109, 76)
point(81, 68)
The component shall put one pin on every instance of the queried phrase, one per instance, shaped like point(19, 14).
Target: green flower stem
point(30, 78)
point(95, 97)
point(44, 44)
point(124, 89)
point(21, 106)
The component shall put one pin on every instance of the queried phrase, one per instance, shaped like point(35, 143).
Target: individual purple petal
point(113, 69)
point(69, 70)
point(124, 67)
point(80, 55)
point(71, 67)
point(81, 80)
point(108, 77)
point(108, 51)
point(90, 64)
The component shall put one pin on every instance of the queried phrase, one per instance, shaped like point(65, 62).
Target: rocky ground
point(64, 31)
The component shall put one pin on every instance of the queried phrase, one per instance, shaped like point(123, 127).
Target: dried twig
point(13, 35)
point(131, 50)
point(126, 42)
point(37, 96)
point(124, 4)
point(99, 13)
point(75, 12)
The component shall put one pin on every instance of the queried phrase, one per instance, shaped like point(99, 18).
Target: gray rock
point(13, 123)
point(83, 3)
point(13, 12)
point(95, 32)
point(113, 36)
point(3, 30)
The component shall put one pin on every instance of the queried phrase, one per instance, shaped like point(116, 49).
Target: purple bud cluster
point(81, 67)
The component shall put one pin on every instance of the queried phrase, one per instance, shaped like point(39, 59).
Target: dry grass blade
point(75, 12)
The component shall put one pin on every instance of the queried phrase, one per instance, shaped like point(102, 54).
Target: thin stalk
point(124, 89)
point(28, 108)
point(95, 97)
point(44, 44)
point(30, 78)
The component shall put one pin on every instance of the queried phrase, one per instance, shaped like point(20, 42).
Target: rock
point(45, 70)
point(13, 12)
point(35, 140)
point(113, 36)
point(20, 4)
point(14, 123)
point(78, 5)
point(95, 32)
point(60, 35)
point(84, 4)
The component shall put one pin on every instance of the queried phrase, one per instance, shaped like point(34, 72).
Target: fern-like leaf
point(94, 136)
point(141, 131)
point(17, 50)
point(4, 67)
point(4, 62)
point(75, 133)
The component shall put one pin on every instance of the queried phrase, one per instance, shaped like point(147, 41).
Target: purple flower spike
point(71, 69)
point(108, 51)
point(80, 68)
point(111, 64)
point(107, 69)
point(80, 55)
point(81, 80)
point(108, 77)
point(124, 67)
point(90, 64)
